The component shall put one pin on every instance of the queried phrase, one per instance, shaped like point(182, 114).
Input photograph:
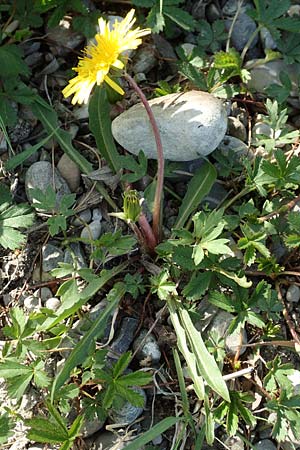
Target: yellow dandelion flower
point(93, 68)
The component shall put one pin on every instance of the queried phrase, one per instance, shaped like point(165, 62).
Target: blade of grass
point(198, 188)
point(155, 431)
point(182, 387)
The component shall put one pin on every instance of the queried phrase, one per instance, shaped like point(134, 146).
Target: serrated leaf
point(217, 247)
point(41, 430)
point(221, 300)
point(6, 428)
point(137, 378)
point(121, 364)
point(227, 60)
point(18, 385)
point(292, 240)
point(11, 369)
point(193, 74)
point(11, 63)
point(197, 285)
point(130, 395)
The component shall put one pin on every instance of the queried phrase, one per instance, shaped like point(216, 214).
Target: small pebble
point(293, 293)
point(69, 171)
point(53, 303)
point(32, 303)
point(92, 231)
point(83, 217)
point(97, 214)
point(149, 349)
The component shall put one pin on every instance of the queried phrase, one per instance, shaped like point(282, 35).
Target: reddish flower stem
point(160, 159)
point(148, 234)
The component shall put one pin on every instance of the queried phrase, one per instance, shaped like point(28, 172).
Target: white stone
point(43, 293)
point(191, 124)
point(53, 303)
point(97, 214)
point(32, 303)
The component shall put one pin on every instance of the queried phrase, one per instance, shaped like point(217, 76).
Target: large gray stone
point(191, 124)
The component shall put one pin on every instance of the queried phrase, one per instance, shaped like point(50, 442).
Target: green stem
point(245, 191)
point(250, 40)
point(160, 159)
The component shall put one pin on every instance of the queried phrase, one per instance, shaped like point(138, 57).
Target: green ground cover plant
point(224, 256)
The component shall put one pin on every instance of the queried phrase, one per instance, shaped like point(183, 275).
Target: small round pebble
point(97, 214)
point(53, 303)
point(32, 303)
point(293, 293)
point(149, 349)
point(92, 231)
point(83, 217)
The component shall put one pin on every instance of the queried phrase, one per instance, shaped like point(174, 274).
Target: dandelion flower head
point(93, 68)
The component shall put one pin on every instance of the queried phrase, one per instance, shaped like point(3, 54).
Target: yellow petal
point(114, 85)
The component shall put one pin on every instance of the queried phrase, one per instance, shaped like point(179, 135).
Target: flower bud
point(131, 206)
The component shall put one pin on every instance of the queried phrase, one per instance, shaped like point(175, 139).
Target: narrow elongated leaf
point(80, 352)
point(75, 427)
point(100, 126)
point(198, 188)
point(205, 361)
point(60, 423)
point(18, 159)
point(182, 387)
point(183, 347)
point(155, 431)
